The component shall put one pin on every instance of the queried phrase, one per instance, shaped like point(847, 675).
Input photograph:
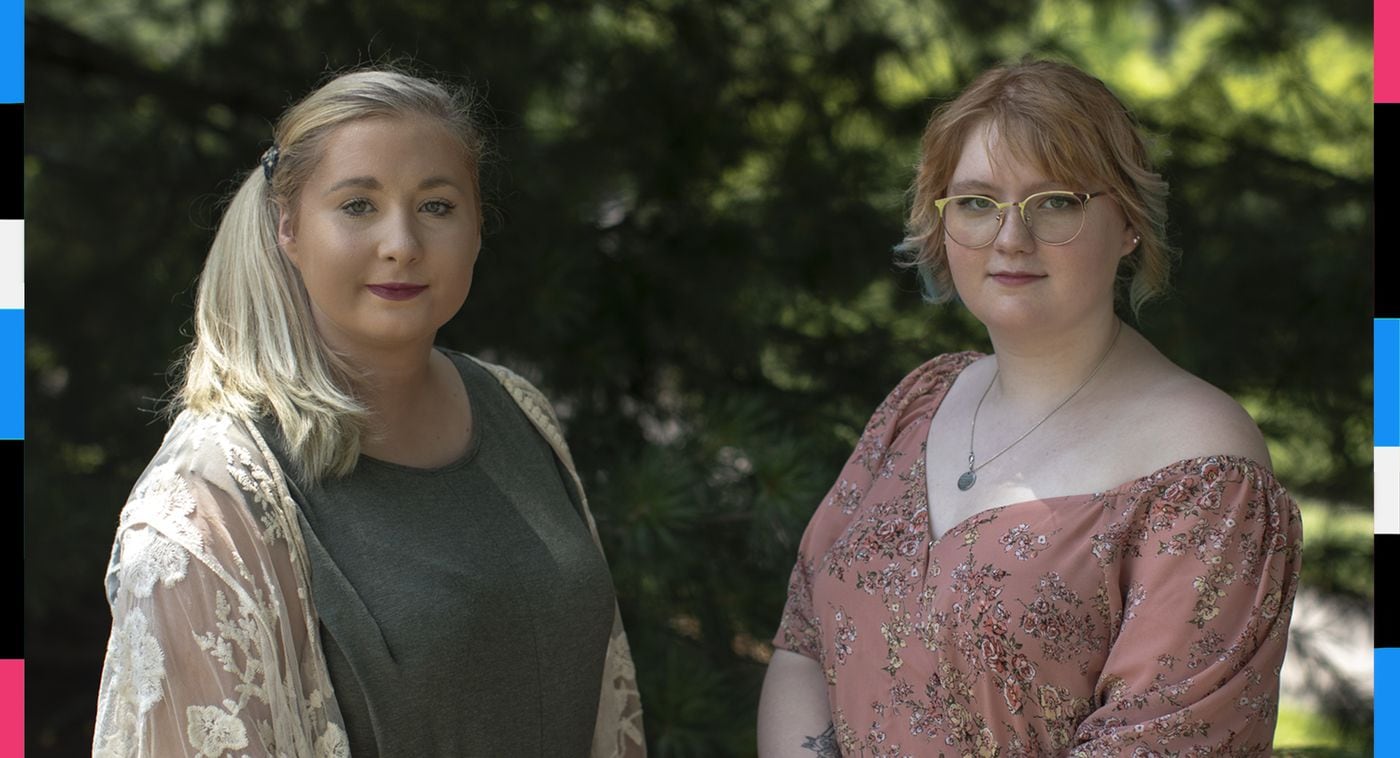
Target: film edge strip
point(1387, 523)
point(12, 361)
point(1386, 394)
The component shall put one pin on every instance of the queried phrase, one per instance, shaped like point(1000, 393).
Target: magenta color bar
point(11, 707)
point(1387, 56)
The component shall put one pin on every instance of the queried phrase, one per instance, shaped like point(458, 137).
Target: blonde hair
point(256, 351)
point(1074, 129)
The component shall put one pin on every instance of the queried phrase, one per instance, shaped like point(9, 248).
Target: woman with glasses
point(352, 541)
point(1068, 546)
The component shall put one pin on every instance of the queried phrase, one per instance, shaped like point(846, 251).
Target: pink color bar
point(11, 708)
point(1387, 47)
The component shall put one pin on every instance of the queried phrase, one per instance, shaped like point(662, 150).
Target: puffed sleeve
point(204, 657)
point(1209, 573)
point(799, 631)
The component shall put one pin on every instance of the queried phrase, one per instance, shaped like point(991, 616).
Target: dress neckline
point(463, 364)
point(1232, 460)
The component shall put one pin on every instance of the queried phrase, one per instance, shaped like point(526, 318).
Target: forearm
point(794, 717)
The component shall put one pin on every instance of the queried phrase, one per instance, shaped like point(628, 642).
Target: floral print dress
point(1149, 619)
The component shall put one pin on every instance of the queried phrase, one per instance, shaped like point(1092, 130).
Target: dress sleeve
point(1208, 579)
point(799, 630)
point(204, 653)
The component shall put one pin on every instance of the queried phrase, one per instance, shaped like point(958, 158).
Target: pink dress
point(1149, 619)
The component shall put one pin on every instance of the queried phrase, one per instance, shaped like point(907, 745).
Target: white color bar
point(12, 263)
point(1387, 478)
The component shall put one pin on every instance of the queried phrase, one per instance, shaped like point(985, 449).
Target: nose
point(1014, 236)
point(400, 241)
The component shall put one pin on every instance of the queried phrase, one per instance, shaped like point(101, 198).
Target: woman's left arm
point(1207, 587)
point(617, 732)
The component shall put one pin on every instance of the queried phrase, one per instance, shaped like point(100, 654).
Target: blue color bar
point(11, 51)
point(12, 374)
point(1387, 694)
point(1387, 382)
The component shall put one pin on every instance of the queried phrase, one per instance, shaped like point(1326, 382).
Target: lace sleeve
point(618, 731)
point(209, 653)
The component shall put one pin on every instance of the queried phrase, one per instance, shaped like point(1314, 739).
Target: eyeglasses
point(1054, 217)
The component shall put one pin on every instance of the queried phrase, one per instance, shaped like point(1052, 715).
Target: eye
point(437, 207)
point(1058, 202)
point(358, 206)
point(975, 203)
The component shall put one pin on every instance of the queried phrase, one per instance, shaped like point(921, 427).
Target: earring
point(1136, 239)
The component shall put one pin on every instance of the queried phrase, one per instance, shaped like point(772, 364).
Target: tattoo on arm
point(824, 744)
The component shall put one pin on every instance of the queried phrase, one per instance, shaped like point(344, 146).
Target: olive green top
point(464, 610)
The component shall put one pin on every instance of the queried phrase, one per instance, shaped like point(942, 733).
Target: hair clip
point(269, 162)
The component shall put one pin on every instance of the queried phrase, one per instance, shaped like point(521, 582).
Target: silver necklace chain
point(969, 477)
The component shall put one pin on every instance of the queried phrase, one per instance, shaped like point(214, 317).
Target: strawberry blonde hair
point(1070, 126)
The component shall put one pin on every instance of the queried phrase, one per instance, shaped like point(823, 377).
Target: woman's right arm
point(794, 714)
point(209, 653)
point(794, 718)
point(185, 671)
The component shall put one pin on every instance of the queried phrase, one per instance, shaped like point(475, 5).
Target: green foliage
point(691, 210)
point(1337, 553)
point(1306, 735)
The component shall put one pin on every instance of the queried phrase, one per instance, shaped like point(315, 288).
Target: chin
point(388, 338)
point(1013, 317)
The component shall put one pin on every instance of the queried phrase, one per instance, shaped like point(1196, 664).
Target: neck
point(1036, 373)
point(392, 382)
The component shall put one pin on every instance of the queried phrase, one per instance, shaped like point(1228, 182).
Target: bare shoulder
point(1183, 416)
point(1214, 421)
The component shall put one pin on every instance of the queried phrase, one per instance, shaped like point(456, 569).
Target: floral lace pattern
point(1150, 619)
point(214, 648)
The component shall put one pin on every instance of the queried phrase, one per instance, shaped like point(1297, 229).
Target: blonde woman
point(1071, 546)
point(352, 541)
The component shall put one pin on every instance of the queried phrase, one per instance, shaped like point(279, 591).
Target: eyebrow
point(362, 182)
point(433, 182)
point(370, 183)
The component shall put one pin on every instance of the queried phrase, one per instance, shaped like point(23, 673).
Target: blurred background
point(691, 207)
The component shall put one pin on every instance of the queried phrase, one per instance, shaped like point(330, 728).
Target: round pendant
point(966, 481)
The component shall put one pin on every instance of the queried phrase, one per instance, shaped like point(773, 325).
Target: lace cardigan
point(214, 649)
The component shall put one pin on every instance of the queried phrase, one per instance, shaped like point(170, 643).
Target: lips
point(1016, 277)
point(397, 290)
